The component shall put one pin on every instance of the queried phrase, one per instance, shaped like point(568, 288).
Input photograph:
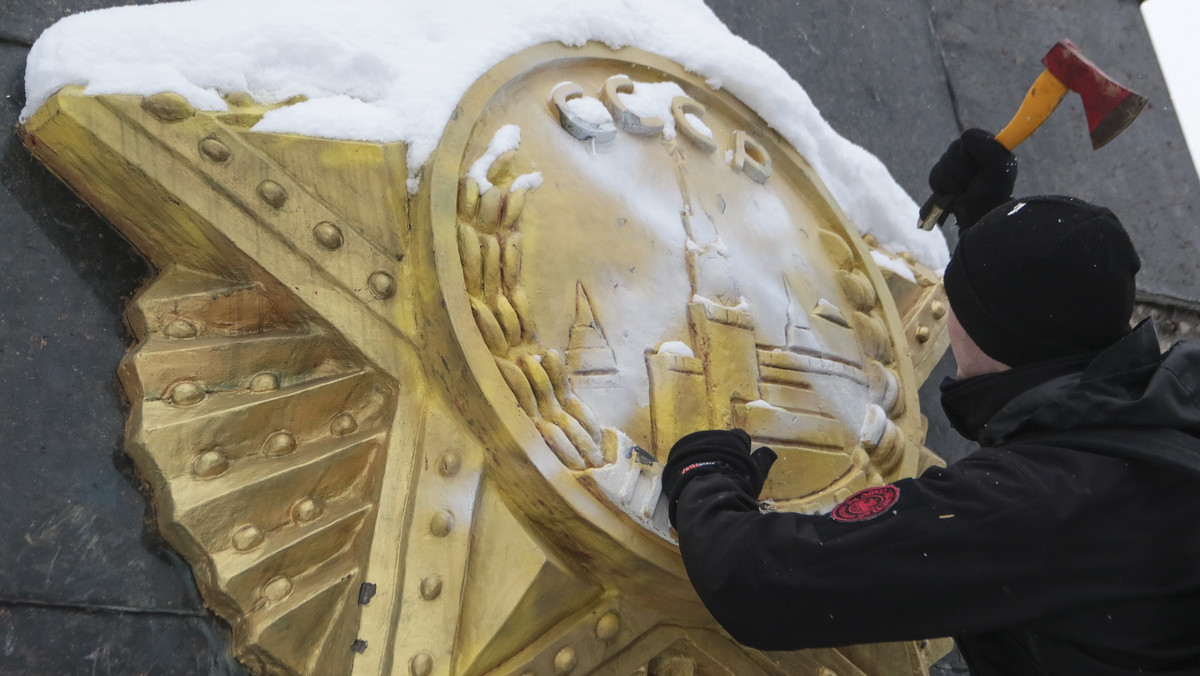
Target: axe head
point(1110, 107)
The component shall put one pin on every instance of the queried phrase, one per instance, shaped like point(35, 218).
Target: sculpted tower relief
point(421, 433)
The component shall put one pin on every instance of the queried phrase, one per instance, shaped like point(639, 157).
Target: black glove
point(726, 451)
point(974, 175)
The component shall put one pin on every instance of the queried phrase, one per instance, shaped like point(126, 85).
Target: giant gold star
point(421, 434)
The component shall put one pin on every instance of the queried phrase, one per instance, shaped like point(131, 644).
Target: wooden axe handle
point(1041, 100)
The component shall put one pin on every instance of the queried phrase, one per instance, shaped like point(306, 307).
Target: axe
point(1109, 106)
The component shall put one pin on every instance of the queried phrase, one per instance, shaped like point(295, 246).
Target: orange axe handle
point(1043, 97)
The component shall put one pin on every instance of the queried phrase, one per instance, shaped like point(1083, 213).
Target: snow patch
point(676, 347)
point(759, 403)
point(698, 125)
point(529, 181)
point(894, 264)
point(653, 99)
point(589, 109)
point(394, 70)
point(505, 139)
point(338, 117)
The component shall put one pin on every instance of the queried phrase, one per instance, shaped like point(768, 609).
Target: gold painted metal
point(454, 400)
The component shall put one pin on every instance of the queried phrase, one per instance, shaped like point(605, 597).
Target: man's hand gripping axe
point(1109, 107)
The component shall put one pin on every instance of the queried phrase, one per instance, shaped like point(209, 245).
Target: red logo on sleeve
point(866, 504)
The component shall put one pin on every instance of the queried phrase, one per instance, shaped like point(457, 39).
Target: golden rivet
point(608, 626)
point(307, 510)
point(922, 334)
point(180, 328)
point(272, 193)
point(327, 235)
point(449, 464)
point(168, 107)
point(264, 382)
point(938, 309)
point(186, 393)
point(442, 523)
point(826, 671)
point(565, 660)
point(342, 424)
point(209, 464)
point(279, 444)
point(421, 664)
point(277, 590)
point(383, 285)
point(247, 538)
point(215, 151)
point(431, 587)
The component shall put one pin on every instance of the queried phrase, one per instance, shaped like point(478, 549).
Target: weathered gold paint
point(360, 431)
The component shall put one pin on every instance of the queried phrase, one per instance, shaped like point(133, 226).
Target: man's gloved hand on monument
point(726, 451)
point(973, 176)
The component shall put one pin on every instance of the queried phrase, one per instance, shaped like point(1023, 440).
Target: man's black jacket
point(1068, 544)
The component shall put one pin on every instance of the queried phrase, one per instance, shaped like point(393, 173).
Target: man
point(1067, 544)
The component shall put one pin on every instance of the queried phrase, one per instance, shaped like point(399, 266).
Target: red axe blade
point(1109, 106)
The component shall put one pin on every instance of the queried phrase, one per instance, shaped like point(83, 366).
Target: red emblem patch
point(866, 504)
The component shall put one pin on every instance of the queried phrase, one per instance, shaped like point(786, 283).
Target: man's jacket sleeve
point(960, 551)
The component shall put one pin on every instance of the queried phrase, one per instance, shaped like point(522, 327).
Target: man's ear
point(971, 360)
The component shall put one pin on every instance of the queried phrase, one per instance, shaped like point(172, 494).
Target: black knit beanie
point(1043, 277)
